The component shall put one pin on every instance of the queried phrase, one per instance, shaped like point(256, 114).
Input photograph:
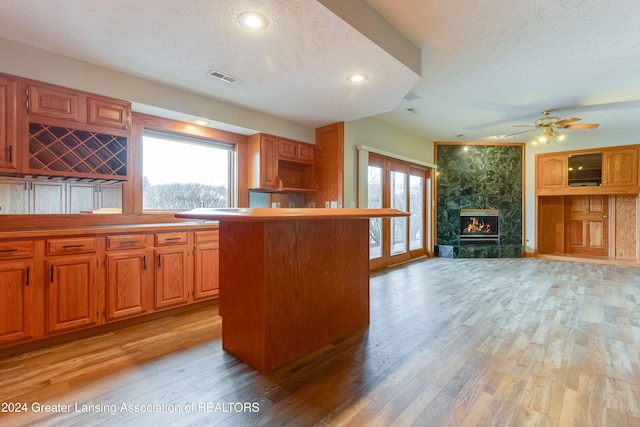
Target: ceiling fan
point(549, 126)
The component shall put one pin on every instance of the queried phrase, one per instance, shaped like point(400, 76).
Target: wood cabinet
point(552, 171)
point(71, 292)
point(107, 112)
point(280, 164)
point(620, 167)
point(127, 279)
point(16, 291)
point(54, 102)
point(59, 284)
point(295, 151)
point(171, 270)
point(8, 124)
point(206, 269)
point(263, 170)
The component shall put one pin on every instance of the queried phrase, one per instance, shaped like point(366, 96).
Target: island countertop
point(279, 214)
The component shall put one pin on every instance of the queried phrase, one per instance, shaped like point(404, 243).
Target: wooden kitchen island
point(291, 280)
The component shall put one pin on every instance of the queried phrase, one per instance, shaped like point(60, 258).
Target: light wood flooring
point(469, 342)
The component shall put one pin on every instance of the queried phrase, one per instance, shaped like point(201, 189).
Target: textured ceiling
point(485, 67)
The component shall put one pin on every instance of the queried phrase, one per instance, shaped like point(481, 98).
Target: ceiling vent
point(222, 76)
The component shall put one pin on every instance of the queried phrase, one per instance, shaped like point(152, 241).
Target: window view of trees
point(189, 195)
point(182, 173)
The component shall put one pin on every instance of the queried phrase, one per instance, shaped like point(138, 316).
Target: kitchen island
point(291, 280)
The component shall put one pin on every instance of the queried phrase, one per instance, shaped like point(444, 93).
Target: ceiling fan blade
point(522, 126)
point(562, 123)
point(515, 133)
point(582, 126)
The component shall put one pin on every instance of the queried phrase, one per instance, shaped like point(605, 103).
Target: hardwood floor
point(468, 342)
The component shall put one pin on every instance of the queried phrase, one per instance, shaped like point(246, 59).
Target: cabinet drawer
point(164, 239)
point(126, 241)
point(73, 245)
point(206, 236)
point(16, 249)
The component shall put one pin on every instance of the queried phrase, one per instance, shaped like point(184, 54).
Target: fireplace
point(479, 226)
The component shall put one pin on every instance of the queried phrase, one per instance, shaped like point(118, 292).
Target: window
point(181, 172)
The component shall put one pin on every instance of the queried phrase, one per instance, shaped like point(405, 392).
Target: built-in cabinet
point(56, 196)
point(617, 172)
point(586, 203)
point(50, 286)
point(49, 130)
point(280, 165)
point(8, 124)
point(17, 291)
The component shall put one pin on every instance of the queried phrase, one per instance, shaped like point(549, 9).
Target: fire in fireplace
point(479, 226)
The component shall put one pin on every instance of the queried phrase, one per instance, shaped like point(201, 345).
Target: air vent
point(222, 76)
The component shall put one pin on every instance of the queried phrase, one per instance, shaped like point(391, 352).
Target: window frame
point(180, 138)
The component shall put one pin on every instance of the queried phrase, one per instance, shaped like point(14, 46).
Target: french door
point(398, 185)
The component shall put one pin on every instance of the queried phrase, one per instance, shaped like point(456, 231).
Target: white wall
point(25, 61)
point(383, 136)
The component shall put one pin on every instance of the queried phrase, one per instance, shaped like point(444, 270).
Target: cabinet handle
point(128, 242)
point(11, 154)
point(144, 262)
point(159, 261)
point(72, 246)
point(264, 176)
point(27, 278)
point(173, 238)
point(51, 278)
point(4, 251)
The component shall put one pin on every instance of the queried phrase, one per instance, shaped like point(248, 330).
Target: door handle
point(604, 216)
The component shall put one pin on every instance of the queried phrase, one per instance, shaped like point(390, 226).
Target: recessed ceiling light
point(252, 20)
point(357, 77)
point(201, 122)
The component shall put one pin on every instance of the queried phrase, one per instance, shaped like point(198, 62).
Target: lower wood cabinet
point(127, 284)
point(16, 304)
point(71, 297)
point(50, 286)
point(171, 277)
point(206, 265)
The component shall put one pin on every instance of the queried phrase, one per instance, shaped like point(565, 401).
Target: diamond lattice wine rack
point(56, 150)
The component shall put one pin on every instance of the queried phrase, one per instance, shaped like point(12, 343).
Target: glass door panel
point(398, 201)
point(375, 201)
point(417, 220)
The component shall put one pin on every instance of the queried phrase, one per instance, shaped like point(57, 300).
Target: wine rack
point(78, 153)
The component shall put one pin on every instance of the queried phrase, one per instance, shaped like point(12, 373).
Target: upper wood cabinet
point(620, 167)
point(609, 170)
point(55, 102)
point(45, 100)
point(280, 164)
point(295, 151)
point(552, 171)
point(8, 124)
point(110, 113)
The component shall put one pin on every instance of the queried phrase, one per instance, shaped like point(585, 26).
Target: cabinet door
point(552, 171)
point(13, 197)
point(71, 293)
point(80, 197)
point(127, 284)
point(108, 113)
point(268, 162)
point(15, 301)
point(306, 152)
point(8, 124)
point(287, 149)
point(206, 271)
point(47, 197)
point(55, 102)
point(620, 167)
point(171, 278)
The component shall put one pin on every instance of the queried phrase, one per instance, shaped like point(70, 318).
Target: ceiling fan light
point(559, 136)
